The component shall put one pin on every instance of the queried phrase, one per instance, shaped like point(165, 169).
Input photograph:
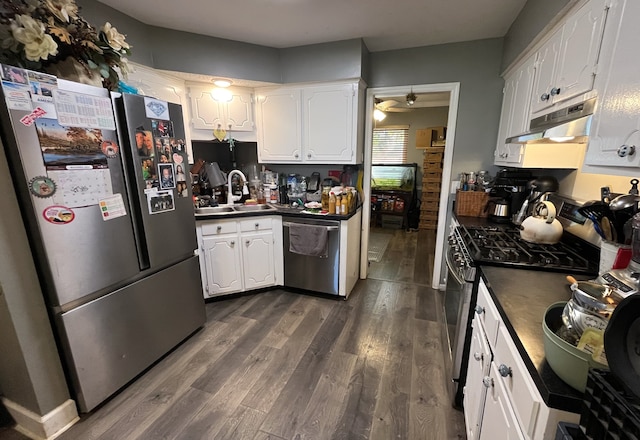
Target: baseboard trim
point(46, 427)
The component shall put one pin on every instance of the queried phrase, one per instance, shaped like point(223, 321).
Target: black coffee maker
point(508, 193)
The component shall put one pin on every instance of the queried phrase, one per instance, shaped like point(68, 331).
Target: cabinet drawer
point(514, 375)
point(487, 314)
point(256, 224)
point(217, 228)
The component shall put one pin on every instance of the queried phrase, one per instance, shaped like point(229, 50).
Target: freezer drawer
point(313, 273)
point(109, 341)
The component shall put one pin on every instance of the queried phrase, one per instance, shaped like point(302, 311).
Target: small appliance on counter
point(538, 190)
point(508, 193)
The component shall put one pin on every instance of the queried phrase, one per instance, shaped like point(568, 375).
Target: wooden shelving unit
point(431, 182)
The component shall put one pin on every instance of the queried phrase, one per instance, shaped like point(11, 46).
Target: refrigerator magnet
point(109, 148)
point(112, 207)
point(162, 128)
point(42, 186)
point(167, 176)
point(154, 108)
point(58, 215)
point(161, 201)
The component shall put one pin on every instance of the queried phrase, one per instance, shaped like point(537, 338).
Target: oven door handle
point(451, 269)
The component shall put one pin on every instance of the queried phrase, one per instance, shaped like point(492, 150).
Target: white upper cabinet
point(310, 124)
point(567, 62)
point(615, 132)
point(515, 113)
point(329, 126)
point(279, 125)
point(209, 114)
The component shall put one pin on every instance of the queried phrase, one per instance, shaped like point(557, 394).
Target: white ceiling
point(382, 24)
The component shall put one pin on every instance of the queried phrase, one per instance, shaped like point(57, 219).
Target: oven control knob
point(504, 370)
point(487, 382)
point(452, 239)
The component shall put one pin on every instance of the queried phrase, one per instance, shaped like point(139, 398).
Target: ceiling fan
point(391, 105)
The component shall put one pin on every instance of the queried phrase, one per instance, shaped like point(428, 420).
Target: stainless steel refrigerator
point(103, 194)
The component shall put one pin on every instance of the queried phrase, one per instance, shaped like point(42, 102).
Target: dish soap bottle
point(332, 203)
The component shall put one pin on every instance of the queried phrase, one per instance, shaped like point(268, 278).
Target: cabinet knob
point(206, 288)
point(479, 310)
point(219, 228)
point(232, 243)
point(626, 150)
point(257, 225)
point(544, 97)
point(555, 91)
point(487, 382)
point(247, 242)
point(504, 370)
point(296, 155)
point(308, 155)
point(478, 356)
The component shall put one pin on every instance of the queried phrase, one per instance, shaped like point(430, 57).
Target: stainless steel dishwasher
point(308, 272)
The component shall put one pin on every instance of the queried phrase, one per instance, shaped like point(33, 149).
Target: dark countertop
point(284, 210)
point(522, 297)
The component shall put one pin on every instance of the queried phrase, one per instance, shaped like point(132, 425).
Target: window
point(390, 145)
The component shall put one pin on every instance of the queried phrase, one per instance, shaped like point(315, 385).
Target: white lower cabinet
point(501, 400)
point(240, 254)
point(498, 421)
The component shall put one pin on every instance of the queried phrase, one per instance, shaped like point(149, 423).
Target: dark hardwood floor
point(283, 365)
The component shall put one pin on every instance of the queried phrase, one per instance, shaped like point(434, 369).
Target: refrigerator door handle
point(129, 168)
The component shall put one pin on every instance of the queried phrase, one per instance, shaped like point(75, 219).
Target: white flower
point(114, 38)
point(63, 9)
point(37, 44)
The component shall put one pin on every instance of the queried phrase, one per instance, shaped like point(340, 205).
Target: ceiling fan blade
point(398, 109)
point(385, 105)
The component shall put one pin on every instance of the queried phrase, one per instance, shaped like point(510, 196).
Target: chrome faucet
point(230, 197)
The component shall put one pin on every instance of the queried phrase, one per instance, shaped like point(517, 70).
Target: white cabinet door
point(239, 115)
point(474, 390)
point(516, 105)
point(567, 62)
point(581, 42)
point(616, 123)
point(209, 114)
point(223, 264)
point(499, 421)
point(279, 121)
point(258, 260)
point(329, 123)
point(546, 72)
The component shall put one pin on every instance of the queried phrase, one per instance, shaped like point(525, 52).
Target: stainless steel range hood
point(570, 124)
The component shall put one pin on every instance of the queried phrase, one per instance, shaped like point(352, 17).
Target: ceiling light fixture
point(411, 98)
point(379, 115)
point(221, 82)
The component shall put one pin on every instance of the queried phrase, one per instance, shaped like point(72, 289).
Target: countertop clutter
point(270, 209)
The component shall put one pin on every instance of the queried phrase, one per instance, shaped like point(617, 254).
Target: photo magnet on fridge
point(167, 175)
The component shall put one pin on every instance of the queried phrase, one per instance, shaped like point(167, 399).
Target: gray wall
point(137, 32)
point(30, 370)
point(535, 15)
point(322, 62)
point(476, 65)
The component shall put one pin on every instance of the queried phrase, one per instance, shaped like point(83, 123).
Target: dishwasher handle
point(328, 228)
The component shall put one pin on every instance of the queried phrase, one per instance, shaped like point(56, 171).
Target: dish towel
point(309, 240)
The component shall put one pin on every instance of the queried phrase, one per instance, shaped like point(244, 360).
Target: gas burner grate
point(504, 246)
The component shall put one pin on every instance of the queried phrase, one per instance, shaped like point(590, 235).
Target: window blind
point(390, 145)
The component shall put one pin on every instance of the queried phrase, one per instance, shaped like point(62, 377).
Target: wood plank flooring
point(283, 365)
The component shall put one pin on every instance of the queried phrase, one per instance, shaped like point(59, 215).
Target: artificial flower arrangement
point(38, 34)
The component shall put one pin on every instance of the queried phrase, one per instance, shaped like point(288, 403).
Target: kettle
point(540, 228)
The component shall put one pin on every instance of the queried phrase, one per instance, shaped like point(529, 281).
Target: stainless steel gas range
point(474, 243)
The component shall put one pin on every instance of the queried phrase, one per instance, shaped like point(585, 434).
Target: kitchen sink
point(253, 208)
point(228, 210)
point(214, 210)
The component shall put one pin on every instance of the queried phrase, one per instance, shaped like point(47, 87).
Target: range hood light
point(562, 138)
point(221, 82)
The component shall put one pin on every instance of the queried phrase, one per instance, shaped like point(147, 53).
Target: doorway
point(375, 224)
